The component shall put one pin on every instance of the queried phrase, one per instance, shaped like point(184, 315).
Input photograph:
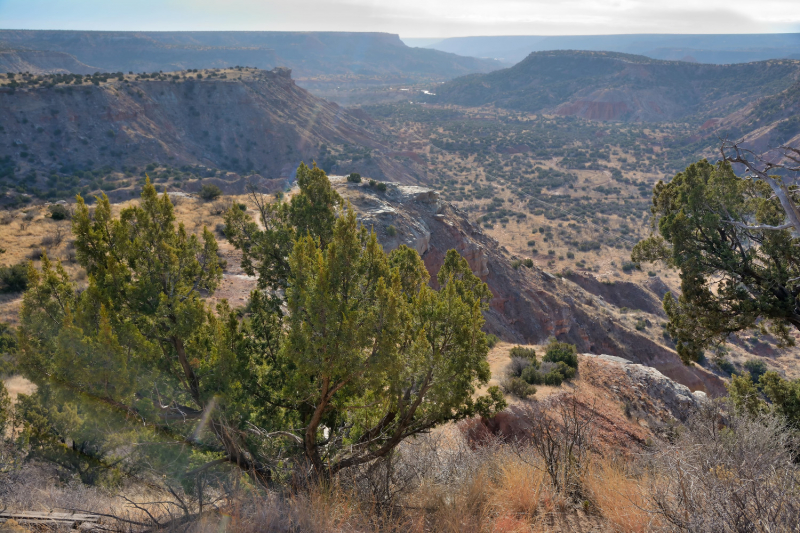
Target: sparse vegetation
point(210, 192)
point(14, 278)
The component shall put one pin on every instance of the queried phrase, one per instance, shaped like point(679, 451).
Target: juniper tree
point(737, 253)
point(342, 352)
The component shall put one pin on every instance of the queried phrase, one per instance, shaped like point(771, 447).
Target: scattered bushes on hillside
point(756, 367)
point(210, 192)
point(523, 353)
point(559, 364)
point(60, 212)
point(516, 386)
point(561, 351)
point(14, 278)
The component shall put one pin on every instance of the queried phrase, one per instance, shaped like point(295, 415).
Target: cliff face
point(251, 122)
point(42, 62)
point(529, 304)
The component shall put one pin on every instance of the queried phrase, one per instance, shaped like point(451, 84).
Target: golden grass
point(619, 497)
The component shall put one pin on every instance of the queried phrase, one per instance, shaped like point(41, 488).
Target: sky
point(410, 18)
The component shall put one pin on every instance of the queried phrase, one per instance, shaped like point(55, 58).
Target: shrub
point(381, 186)
point(640, 324)
point(553, 378)
point(523, 353)
point(561, 351)
point(757, 368)
point(242, 207)
point(372, 183)
point(724, 365)
point(59, 212)
point(518, 366)
point(210, 192)
point(630, 266)
point(14, 278)
point(528, 262)
point(518, 387)
point(567, 371)
point(354, 177)
point(532, 375)
point(391, 231)
point(491, 340)
point(515, 264)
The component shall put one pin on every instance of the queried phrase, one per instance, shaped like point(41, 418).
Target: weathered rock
point(676, 398)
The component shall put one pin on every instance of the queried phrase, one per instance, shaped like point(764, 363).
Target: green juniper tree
point(738, 258)
point(342, 352)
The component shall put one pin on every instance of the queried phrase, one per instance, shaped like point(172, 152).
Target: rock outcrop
point(674, 398)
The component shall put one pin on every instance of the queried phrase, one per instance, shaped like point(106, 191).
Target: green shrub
point(553, 378)
point(518, 387)
point(354, 177)
point(528, 262)
point(757, 368)
point(59, 212)
point(515, 264)
point(14, 278)
point(491, 340)
point(561, 351)
point(518, 366)
point(210, 192)
point(640, 324)
point(567, 371)
point(381, 186)
point(725, 365)
point(630, 266)
point(242, 207)
point(532, 375)
point(372, 183)
point(391, 231)
point(522, 352)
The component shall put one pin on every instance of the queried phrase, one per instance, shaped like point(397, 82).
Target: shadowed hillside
point(57, 132)
point(620, 87)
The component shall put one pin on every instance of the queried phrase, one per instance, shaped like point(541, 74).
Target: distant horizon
point(411, 19)
point(404, 37)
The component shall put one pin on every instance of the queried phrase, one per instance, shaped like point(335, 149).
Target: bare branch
point(758, 226)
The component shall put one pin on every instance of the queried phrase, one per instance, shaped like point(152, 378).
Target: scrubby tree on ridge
point(343, 351)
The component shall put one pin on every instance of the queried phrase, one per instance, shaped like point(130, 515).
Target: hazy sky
point(411, 18)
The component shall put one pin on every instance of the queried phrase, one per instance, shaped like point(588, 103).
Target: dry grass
point(619, 496)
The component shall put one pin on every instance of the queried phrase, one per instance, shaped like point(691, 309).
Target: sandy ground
point(16, 385)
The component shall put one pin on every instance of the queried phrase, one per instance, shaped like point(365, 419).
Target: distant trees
point(735, 242)
point(209, 192)
point(342, 352)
